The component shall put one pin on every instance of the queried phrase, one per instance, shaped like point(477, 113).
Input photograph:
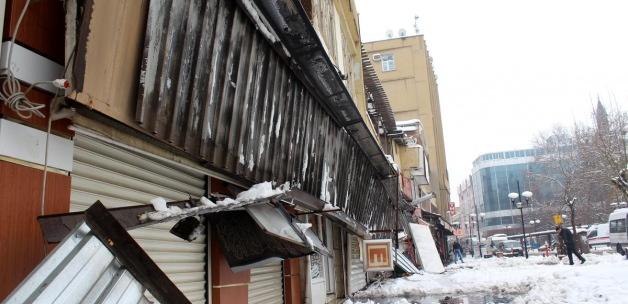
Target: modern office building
point(495, 175)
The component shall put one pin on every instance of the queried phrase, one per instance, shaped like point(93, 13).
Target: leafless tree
point(583, 162)
point(601, 148)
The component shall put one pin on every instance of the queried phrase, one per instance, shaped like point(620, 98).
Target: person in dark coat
point(568, 240)
point(457, 252)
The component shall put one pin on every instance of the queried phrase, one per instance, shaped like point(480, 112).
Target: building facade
point(183, 99)
point(405, 68)
point(497, 174)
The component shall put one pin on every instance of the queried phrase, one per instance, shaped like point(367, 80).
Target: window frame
point(386, 63)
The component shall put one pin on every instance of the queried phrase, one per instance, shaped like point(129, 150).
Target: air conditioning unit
point(377, 57)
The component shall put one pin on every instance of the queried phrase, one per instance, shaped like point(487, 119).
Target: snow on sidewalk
point(602, 279)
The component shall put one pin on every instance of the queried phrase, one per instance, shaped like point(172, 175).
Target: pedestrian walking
point(457, 252)
point(568, 240)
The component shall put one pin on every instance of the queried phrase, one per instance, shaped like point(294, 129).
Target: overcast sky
point(508, 70)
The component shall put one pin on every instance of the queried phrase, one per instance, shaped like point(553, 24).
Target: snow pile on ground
point(536, 280)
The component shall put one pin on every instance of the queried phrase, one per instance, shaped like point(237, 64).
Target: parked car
point(511, 248)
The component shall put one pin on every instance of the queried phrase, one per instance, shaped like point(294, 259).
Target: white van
point(598, 235)
point(618, 234)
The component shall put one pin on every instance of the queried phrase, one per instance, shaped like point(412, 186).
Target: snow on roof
point(408, 122)
point(407, 128)
point(261, 190)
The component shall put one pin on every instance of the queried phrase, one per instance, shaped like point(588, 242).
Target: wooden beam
point(107, 228)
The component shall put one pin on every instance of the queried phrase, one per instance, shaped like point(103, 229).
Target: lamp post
point(477, 222)
point(527, 195)
point(535, 222)
point(467, 226)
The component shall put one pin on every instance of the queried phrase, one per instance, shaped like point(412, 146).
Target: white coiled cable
point(10, 92)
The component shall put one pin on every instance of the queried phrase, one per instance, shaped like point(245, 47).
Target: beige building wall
point(413, 93)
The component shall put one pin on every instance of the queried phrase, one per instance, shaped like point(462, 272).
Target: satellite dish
point(389, 33)
point(402, 32)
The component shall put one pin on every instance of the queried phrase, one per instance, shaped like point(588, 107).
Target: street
point(601, 279)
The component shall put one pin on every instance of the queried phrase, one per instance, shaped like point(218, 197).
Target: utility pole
point(523, 226)
point(468, 227)
point(477, 220)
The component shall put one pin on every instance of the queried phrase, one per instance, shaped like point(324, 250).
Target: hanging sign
point(378, 255)
point(558, 219)
point(452, 208)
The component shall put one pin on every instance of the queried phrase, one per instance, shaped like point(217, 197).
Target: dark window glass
point(494, 221)
point(617, 226)
point(506, 220)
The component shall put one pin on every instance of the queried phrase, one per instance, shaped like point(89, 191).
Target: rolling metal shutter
point(266, 285)
point(357, 276)
point(119, 178)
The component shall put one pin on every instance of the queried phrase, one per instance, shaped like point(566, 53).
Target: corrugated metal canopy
point(375, 88)
point(214, 85)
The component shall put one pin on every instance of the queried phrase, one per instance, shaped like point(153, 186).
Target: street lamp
point(526, 195)
point(535, 222)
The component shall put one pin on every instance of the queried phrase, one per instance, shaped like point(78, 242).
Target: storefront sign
point(378, 255)
point(452, 208)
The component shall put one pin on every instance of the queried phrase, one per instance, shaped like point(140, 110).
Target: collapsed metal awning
point(266, 228)
point(438, 220)
point(403, 262)
point(56, 227)
point(261, 234)
point(97, 262)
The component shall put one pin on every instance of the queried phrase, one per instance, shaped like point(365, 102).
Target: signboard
point(558, 219)
point(378, 255)
point(452, 208)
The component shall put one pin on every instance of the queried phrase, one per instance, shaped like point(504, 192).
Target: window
point(617, 226)
point(388, 62)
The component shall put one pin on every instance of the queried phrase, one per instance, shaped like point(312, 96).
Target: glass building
point(495, 175)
